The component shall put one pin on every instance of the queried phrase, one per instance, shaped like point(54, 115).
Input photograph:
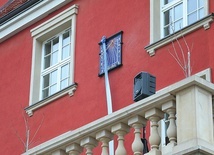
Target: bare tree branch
point(186, 65)
point(17, 134)
point(31, 141)
point(27, 142)
point(177, 61)
point(176, 54)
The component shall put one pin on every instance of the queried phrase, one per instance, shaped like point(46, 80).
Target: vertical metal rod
point(107, 85)
point(108, 90)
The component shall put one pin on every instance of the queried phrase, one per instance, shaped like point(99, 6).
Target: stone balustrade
point(188, 104)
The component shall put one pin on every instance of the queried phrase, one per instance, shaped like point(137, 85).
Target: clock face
point(113, 52)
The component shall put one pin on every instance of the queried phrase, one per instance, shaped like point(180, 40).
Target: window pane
point(65, 52)
point(46, 81)
point(166, 31)
point(167, 1)
point(66, 38)
point(55, 44)
point(167, 17)
point(191, 6)
point(201, 3)
point(201, 13)
point(178, 25)
point(54, 58)
point(53, 77)
point(178, 12)
point(64, 84)
point(45, 93)
point(53, 89)
point(47, 48)
point(47, 62)
point(192, 18)
point(65, 72)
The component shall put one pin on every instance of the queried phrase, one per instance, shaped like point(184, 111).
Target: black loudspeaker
point(144, 86)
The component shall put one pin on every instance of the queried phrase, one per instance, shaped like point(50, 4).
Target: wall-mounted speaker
point(144, 86)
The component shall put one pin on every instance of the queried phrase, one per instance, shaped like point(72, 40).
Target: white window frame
point(56, 66)
point(168, 7)
point(41, 33)
point(155, 26)
point(165, 7)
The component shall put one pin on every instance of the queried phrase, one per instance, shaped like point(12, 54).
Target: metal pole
point(107, 85)
point(108, 90)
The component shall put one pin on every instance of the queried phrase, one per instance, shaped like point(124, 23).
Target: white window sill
point(204, 22)
point(69, 90)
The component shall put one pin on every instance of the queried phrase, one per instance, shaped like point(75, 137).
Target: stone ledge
point(193, 147)
point(204, 22)
point(124, 114)
point(69, 90)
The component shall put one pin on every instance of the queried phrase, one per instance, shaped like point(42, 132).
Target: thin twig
point(177, 60)
point(189, 54)
point(182, 52)
point(186, 65)
point(37, 130)
point(26, 130)
point(176, 54)
point(18, 136)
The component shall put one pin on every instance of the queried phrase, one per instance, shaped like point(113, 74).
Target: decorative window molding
point(205, 74)
point(69, 90)
point(156, 23)
point(48, 29)
point(28, 17)
point(204, 22)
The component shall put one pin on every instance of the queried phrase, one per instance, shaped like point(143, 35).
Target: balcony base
point(167, 150)
point(154, 152)
point(194, 147)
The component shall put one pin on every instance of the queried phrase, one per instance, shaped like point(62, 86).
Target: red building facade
point(50, 60)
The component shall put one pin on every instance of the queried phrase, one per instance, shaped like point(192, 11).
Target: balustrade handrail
point(123, 115)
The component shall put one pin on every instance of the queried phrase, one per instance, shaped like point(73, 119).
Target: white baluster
point(120, 130)
point(170, 108)
point(172, 130)
point(154, 115)
point(89, 143)
point(74, 149)
point(105, 137)
point(137, 123)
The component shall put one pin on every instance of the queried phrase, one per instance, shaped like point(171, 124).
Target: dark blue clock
point(113, 52)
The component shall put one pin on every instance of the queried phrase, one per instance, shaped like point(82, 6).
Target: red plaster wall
point(95, 19)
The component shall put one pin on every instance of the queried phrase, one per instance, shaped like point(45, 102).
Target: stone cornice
point(29, 17)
